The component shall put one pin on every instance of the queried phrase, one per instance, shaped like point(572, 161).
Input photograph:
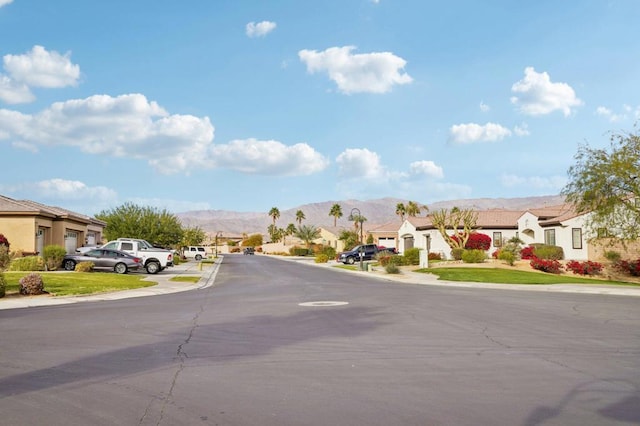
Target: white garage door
point(71, 241)
point(387, 242)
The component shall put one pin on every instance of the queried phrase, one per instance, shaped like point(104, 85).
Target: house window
point(497, 239)
point(576, 237)
point(550, 237)
point(603, 233)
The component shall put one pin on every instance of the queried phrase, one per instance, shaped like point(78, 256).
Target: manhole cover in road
point(323, 303)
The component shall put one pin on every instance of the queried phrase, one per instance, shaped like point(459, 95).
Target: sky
point(244, 105)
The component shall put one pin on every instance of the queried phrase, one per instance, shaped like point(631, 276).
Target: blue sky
point(246, 105)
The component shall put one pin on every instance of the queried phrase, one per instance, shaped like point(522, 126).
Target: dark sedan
point(114, 260)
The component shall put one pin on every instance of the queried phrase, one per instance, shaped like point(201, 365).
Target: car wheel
point(152, 267)
point(351, 260)
point(69, 265)
point(120, 268)
point(198, 257)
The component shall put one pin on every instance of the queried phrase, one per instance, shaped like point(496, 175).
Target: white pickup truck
point(154, 259)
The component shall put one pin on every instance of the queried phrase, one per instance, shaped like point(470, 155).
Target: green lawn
point(80, 283)
point(507, 276)
point(186, 278)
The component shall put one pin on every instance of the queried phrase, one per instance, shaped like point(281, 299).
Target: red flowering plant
point(631, 267)
point(584, 268)
point(4, 241)
point(527, 253)
point(546, 265)
point(476, 241)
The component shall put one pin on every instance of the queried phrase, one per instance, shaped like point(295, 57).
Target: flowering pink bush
point(631, 267)
point(527, 253)
point(546, 265)
point(4, 241)
point(584, 268)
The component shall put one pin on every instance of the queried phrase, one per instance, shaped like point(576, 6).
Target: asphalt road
point(244, 352)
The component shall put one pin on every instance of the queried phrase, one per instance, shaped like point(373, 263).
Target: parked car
point(195, 252)
point(249, 250)
point(367, 251)
point(115, 260)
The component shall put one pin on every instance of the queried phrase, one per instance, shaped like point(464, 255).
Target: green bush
point(473, 256)
point(392, 269)
point(547, 252)
point(329, 251)
point(412, 256)
point(507, 256)
point(31, 285)
point(299, 251)
point(383, 258)
point(610, 255)
point(84, 267)
point(3, 285)
point(28, 263)
point(456, 253)
point(321, 258)
point(397, 260)
point(53, 256)
point(5, 257)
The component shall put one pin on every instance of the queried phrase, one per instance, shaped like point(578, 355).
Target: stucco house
point(30, 226)
point(557, 225)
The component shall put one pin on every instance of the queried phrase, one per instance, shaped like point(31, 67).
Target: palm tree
point(274, 213)
point(336, 212)
point(300, 217)
point(401, 210)
point(412, 209)
point(290, 230)
point(308, 233)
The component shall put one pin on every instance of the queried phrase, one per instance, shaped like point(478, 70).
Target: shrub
point(31, 284)
point(527, 253)
point(546, 265)
point(412, 256)
point(53, 256)
point(456, 253)
point(473, 256)
point(329, 251)
point(3, 285)
point(4, 241)
point(5, 257)
point(612, 256)
point(392, 269)
point(322, 258)
point(544, 251)
point(630, 267)
point(434, 256)
point(299, 251)
point(508, 256)
point(478, 241)
point(584, 268)
point(29, 263)
point(383, 258)
point(397, 259)
point(84, 267)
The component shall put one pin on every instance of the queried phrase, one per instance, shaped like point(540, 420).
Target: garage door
point(387, 242)
point(71, 241)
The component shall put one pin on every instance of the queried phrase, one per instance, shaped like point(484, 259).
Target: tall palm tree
point(300, 217)
point(413, 209)
point(401, 210)
point(290, 230)
point(274, 213)
point(336, 212)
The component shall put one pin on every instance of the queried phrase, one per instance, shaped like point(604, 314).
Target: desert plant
point(321, 258)
point(546, 265)
point(612, 256)
point(5, 257)
point(31, 285)
point(584, 268)
point(473, 256)
point(630, 267)
point(527, 253)
point(53, 255)
point(84, 267)
point(508, 256)
point(456, 253)
point(383, 258)
point(434, 256)
point(299, 251)
point(3, 285)
point(412, 256)
point(329, 251)
point(4, 241)
point(476, 241)
point(544, 251)
point(28, 263)
point(392, 268)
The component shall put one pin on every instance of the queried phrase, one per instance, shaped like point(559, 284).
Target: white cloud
point(554, 183)
point(616, 117)
point(426, 168)
point(537, 95)
point(484, 107)
point(472, 132)
point(260, 29)
point(522, 130)
point(5, 2)
point(268, 158)
point(37, 68)
point(374, 72)
point(360, 163)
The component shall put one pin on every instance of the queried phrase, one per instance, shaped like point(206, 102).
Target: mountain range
point(376, 212)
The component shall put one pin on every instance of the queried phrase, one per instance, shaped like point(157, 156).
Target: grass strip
point(506, 276)
point(80, 283)
point(186, 278)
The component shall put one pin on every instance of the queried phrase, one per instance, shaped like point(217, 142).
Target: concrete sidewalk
point(165, 285)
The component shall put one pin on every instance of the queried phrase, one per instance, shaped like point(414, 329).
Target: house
point(556, 225)
point(30, 226)
point(329, 236)
point(385, 235)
